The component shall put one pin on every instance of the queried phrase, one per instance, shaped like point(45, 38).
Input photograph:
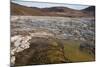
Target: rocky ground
point(47, 40)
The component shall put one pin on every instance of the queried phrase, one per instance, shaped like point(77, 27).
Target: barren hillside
point(17, 9)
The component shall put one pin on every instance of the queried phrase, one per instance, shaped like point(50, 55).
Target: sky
point(44, 5)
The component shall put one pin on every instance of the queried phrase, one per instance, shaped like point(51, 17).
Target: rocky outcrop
point(36, 48)
point(18, 44)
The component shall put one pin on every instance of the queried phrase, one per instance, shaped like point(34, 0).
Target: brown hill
point(90, 10)
point(17, 9)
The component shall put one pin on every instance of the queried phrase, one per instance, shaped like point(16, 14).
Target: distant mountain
point(57, 9)
point(90, 10)
point(17, 9)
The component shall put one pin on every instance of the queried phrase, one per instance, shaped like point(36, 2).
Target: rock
point(19, 43)
point(12, 60)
